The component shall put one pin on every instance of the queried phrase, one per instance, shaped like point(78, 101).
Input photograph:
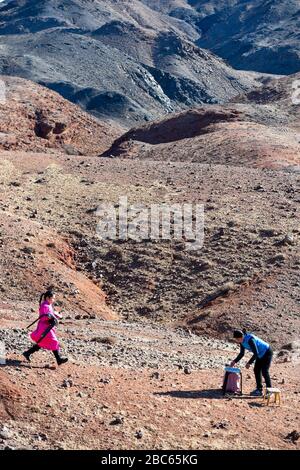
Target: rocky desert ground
point(147, 325)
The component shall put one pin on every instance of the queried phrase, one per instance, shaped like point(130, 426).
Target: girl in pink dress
point(44, 335)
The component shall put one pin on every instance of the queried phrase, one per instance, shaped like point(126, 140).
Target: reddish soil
point(177, 411)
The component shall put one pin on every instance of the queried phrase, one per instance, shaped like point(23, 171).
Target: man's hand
point(248, 365)
point(232, 364)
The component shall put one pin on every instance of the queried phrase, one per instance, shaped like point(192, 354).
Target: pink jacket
point(50, 341)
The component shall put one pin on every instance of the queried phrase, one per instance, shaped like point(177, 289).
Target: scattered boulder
point(40, 436)
point(288, 240)
point(71, 150)
point(266, 233)
point(202, 265)
point(259, 187)
point(105, 380)
point(117, 421)
point(219, 292)
point(106, 340)
point(224, 424)
point(115, 253)
point(155, 375)
point(28, 250)
point(43, 129)
point(67, 383)
point(60, 127)
point(47, 125)
point(277, 259)
point(51, 245)
point(139, 434)
point(5, 433)
point(293, 346)
point(145, 310)
point(293, 436)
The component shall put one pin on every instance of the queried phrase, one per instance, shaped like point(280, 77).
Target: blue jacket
point(254, 344)
point(261, 346)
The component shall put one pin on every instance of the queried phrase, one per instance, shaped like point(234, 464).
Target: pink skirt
point(50, 341)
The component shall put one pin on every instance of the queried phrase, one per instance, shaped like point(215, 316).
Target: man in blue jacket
point(262, 355)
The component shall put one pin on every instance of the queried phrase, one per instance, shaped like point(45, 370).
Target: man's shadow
point(196, 394)
point(18, 363)
point(212, 393)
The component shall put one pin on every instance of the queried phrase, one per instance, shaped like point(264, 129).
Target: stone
point(293, 346)
point(105, 380)
point(155, 375)
point(43, 129)
point(265, 233)
point(293, 436)
point(40, 436)
point(289, 239)
point(221, 425)
point(67, 383)
point(277, 259)
point(5, 433)
point(60, 127)
point(117, 421)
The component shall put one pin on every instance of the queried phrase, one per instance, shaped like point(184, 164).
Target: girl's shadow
point(18, 363)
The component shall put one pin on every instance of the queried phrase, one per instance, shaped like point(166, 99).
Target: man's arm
point(241, 355)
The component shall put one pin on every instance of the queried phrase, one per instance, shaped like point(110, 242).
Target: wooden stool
point(268, 394)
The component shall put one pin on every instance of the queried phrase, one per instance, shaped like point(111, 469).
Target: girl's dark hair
point(46, 295)
point(239, 333)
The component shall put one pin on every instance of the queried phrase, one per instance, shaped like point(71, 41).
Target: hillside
point(259, 129)
point(33, 118)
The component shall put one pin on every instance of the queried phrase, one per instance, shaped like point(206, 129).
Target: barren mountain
point(251, 35)
point(119, 60)
point(255, 35)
